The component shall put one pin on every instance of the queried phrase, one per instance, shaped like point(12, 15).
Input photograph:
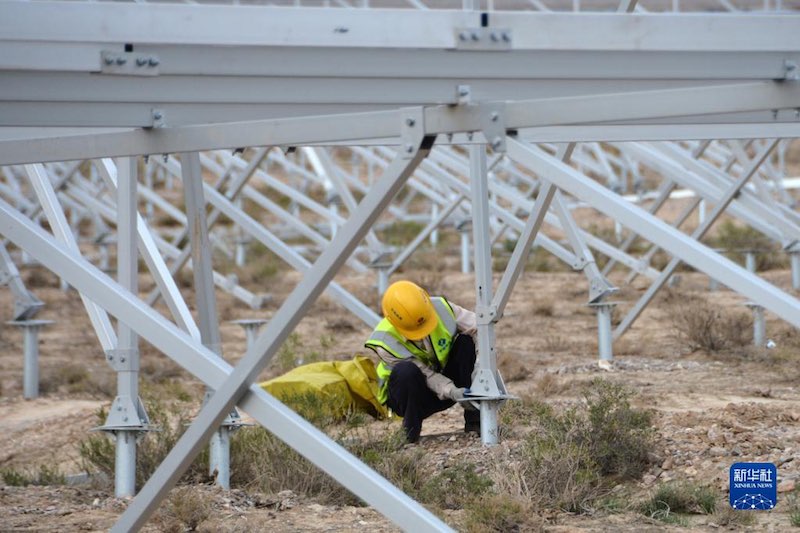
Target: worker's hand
point(457, 393)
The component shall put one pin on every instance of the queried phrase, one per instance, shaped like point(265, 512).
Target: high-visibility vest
point(387, 337)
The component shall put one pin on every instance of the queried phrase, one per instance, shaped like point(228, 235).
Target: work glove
point(457, 393)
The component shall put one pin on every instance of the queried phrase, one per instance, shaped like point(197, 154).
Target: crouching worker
point(427, 356)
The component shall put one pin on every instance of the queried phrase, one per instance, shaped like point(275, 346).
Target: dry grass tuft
point(544, 308)
point(550, 385)
point(570, 457)
point(511, 367)
point(186, 509)
point(701, 325)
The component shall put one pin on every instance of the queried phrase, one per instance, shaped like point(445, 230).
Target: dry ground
point(711, 409)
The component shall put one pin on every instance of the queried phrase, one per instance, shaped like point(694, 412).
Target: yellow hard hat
point(408, 307)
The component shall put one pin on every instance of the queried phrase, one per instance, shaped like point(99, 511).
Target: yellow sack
point(339, 385)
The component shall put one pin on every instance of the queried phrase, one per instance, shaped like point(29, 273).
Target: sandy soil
point(711, 409)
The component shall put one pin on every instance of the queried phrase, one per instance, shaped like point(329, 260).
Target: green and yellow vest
point(387, 337)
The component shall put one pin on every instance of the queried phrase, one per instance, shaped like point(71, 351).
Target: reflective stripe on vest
point(396, 348)
point(445, 315)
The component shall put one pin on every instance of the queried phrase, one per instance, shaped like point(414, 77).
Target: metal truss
point(501, 122)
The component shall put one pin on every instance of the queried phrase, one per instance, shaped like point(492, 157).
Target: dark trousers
point(410, 397)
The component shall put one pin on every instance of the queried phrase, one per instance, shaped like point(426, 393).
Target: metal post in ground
point(604, 338)
point(127, 418)
point(750, 260)
point(30, 343)
point(759, 324)
point(382, 265)
point(794, 258)
point(485, 382)
point(219, 452)
point(251, 327)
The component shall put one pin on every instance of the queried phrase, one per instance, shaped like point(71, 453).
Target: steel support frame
point(128, 422)
point(486, 381)
point(619, 107)
point(290, 313)
point(62, 231)
point(673, 241)
point(192, 178)
point(720, 205)
point(223, 205)
point(204, 363)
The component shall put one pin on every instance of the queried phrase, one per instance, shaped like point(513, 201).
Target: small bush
point(702, 326)
point(512, 367)
point(571, 456)
point(319, 410)
point(549, 385)
point(97, 452)
point(735, 239)
point(400, 232)
point(288, 356)
point(543, 308)
point(185, 510)
point(559, 470)
point(500, 513)
point(45, 475)
point(556, 343)
point(326, 341)
point(266, 265)
point(261, 461)
point(75, 379)
point(621, 437)
point(726, 516)
point(794, 509)
point(672, 499)
point(455, 487)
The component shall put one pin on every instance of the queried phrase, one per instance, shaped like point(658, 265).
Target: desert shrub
point(543, 308)
point(266, 265)
point(259, 460)
point(501, 513)
point(522, 412)
point(559, 471)
point(97, 451)
point(556, 343)
point(735, 239)
point(571, 456)
point(793, 509)
point(75, 379)
point(549, 384)
point(512, 367)
point(44, 475)
point(185, 509)
point(455, 487)
point(322, 411)
point(400, 232)
point(700, 325)
point(671, 500)
point(288, 356)
point(726, 516)
point(621, 436)
point(15, 478)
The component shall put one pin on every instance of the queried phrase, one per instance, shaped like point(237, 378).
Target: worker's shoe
point(472, 422)
point(472, 427)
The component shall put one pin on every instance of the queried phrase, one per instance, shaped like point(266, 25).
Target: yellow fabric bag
point(342, 385)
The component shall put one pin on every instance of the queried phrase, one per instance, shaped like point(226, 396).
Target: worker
point(426, 349)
